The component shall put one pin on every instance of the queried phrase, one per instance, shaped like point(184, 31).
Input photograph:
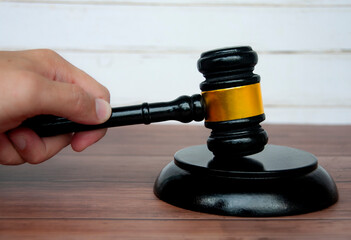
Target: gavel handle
point(183, 109)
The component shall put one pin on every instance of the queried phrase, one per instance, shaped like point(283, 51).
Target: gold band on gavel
point(233, 103)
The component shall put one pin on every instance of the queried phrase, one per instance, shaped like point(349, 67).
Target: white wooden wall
point(147, 50)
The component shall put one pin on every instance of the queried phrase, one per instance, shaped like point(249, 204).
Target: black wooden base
point(275, 182)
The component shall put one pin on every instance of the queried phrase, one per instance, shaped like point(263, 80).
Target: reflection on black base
point(278, 181)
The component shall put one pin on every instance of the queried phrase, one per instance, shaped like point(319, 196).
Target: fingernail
point(19, 142)
point(103, 109)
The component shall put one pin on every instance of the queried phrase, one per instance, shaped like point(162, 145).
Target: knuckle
point(79, 99)
point(10, 159)
point(8, 156)
point(106, 93)
point(47, 57)
point(34, 154)
point(46, 53)
point(42, 55)
point(35, 160)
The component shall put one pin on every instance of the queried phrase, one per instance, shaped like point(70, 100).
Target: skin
point(36, 82)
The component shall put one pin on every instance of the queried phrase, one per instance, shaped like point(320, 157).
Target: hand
point(39, 82)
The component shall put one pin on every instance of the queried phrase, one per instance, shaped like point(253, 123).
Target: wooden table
point(106, 192)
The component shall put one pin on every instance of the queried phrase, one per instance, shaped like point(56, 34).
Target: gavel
point(230, 103)
point(237, 173)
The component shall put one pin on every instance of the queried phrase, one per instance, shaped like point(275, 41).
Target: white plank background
point(147, 50)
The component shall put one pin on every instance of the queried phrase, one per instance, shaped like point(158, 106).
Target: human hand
point(37, 82)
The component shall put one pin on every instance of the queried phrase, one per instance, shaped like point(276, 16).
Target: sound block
point(278, 181)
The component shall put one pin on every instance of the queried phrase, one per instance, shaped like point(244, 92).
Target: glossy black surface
point(232, 138)
point(227, 68)
point(268, 163)
point(242, 177)
point(278, 181)
point(183, 109)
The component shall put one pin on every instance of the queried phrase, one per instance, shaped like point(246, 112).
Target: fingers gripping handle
point(183, 109)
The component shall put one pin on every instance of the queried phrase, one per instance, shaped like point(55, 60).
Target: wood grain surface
point(106, 192)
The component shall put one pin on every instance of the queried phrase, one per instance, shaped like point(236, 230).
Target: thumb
point(102, 109)
point(72, 102)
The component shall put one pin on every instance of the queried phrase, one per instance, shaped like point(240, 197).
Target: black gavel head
point(233, 102)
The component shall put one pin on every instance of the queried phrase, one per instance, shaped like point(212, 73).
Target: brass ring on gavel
point(233, 103)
